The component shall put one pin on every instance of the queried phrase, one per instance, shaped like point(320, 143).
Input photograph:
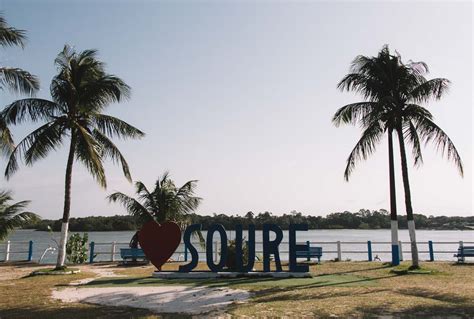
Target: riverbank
point(338, 289)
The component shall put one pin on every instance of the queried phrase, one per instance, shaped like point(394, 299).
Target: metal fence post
point(369, 249)
point(308, 257)
point(7, 251)
point(185, 252)
point(112, 253)
point(91, 252)
point(461, 247)
point(30, 251)
point(400, 250)
point(430, 247)
point(339, 252)
point(216, 253)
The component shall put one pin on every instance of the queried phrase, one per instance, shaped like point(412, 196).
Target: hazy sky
point(240, 95)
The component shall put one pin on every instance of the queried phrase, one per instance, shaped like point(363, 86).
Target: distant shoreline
point(363, 219)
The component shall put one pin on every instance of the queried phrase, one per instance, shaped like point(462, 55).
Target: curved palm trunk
point(409, 208)
point(393, 203)
point(67, 205)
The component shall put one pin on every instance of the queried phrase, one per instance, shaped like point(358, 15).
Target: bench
point(464, 251)
point(310, 252)
point(132, 254)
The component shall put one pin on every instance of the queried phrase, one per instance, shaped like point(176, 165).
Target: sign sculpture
point(159, 242)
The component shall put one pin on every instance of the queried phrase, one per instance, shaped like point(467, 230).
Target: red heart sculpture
point(159, 242)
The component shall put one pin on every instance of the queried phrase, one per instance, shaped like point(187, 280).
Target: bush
point(76, 248)
point(231, 254)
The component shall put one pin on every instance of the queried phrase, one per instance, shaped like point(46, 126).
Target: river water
point(353, 243)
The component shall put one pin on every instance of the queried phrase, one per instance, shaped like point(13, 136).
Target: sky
point(240, 94)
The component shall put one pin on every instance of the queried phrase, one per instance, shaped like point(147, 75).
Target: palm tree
point(165, 202)
point(393, 91)
point(80, 93)
point(14, 79)
point(12, 215)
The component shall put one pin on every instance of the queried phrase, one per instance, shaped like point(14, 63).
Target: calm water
point(353, 243)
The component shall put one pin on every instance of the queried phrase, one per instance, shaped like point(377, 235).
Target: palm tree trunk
point(393, 203)
point(409, 208)
point(67, 205)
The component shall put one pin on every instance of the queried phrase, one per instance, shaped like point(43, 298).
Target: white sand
point(163, 299)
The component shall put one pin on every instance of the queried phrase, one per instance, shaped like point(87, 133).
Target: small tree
point(165, 202)
point(76, 248)
point(231, 261)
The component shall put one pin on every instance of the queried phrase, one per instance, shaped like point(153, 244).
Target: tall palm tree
point(80, 93)
point(12, 215)
point(393, 92)
point(165, 202)
point(14, 79)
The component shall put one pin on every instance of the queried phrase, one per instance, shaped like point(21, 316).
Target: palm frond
point(35, 146)
point(31, 109)
point(147, 197)
point(89, 152)
point(133, 207)
point(352, 113)
point(364, 147)
point(13, 215)
point(434, 88)
point(429, 131)
point(63, 59)
point(5, 196)
point(411, 134)
point(114, 127)
point(111, 151)
point(7, 144)
point(11, 36)
point(18, 80)
point(99, 92)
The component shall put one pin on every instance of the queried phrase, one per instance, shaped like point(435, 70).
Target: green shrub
point(231, 254)
point(76, 248)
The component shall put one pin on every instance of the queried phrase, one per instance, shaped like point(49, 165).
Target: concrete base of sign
point(211, 275)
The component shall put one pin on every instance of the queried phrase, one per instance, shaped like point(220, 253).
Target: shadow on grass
point(464, 264)
point(425, 311)
point(19, 264)
point(431, 294)
point(269, 296)
point(85, 311)
point(384, 266)
point(272, 284)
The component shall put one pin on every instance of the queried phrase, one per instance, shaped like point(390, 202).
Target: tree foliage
point(13, 215)
point(165, 202)
point(13, 79)
point(80, 92)
point(76, 248)
point(363, 219)
point(394, 93)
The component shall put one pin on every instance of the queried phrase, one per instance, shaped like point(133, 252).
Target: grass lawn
point(253, 284)
point(354, 289)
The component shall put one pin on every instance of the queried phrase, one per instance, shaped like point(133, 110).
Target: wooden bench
point(310, 252)
point(463, 252)
point(132, 254)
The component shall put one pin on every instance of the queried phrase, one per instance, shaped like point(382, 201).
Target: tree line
point(363, 219)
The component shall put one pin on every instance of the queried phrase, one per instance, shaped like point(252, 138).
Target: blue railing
point(16, 251)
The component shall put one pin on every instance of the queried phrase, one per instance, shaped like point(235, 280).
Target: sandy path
point(160, 299)
point(164, 299)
